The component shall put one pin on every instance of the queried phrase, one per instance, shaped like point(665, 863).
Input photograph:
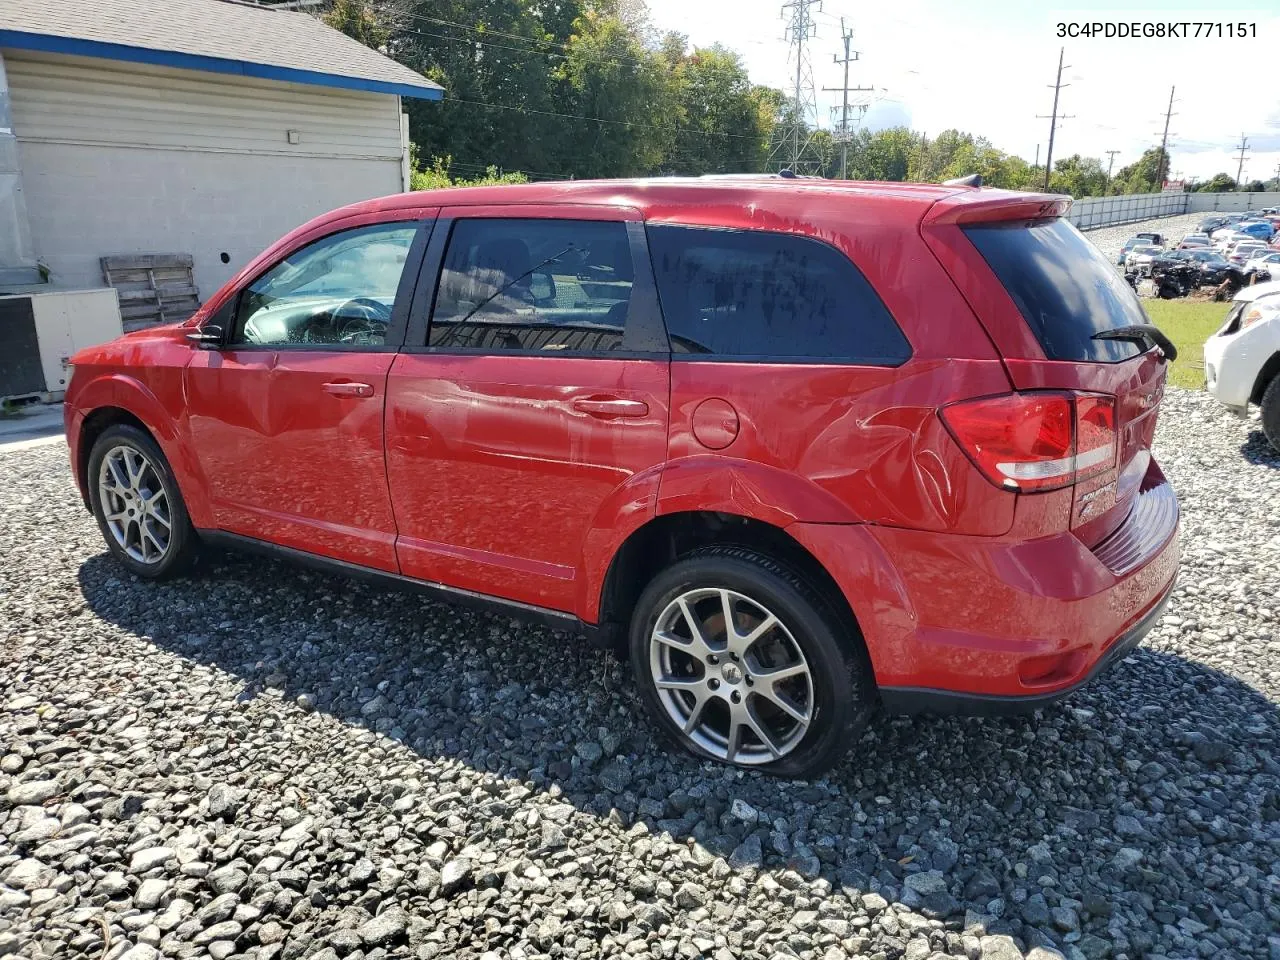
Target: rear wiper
point(1144, 333)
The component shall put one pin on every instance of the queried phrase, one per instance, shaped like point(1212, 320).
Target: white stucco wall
point(122, 158)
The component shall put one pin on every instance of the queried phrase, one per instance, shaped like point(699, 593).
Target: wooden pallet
point(153, 287)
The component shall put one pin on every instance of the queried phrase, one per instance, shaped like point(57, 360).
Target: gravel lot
point(1110, 239)
point(263, 762)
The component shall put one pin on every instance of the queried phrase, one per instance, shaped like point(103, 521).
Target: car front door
point(527, 421)
point(286, 414)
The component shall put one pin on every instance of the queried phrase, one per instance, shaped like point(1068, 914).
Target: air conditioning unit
point(39, 332)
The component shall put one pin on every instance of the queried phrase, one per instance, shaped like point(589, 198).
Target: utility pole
point(1053, 118)
point(792, 145)
point(846, 35)
point(1161, 171)
point(1244, 145)
point(1111, 160)
point(1037, 154)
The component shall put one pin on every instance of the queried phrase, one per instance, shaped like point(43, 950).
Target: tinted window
point(758, 295)
point(1065, 289)
point(562, 285)
point(337, 291)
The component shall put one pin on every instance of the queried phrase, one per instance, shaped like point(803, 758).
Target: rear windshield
point(1066, 289)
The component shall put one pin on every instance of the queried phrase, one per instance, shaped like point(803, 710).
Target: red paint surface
point(514, 475)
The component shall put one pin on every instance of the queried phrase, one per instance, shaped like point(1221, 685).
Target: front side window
point(754, 295)
point(534, 285)
point(337, 291)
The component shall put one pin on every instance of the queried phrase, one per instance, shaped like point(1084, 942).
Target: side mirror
point(542, 286)
point(210, 335)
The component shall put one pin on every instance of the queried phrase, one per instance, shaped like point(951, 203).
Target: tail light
point(1036, 441)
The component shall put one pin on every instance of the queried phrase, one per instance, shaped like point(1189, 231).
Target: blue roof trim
point(50, 43)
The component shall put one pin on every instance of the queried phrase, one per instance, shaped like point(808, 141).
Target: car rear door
point(527, 413)
point(286, 414)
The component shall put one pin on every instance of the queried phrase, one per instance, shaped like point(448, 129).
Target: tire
point(1271, 412)
point(132, 521)
point(835, 691)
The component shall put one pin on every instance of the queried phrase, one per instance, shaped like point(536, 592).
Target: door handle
point(349, 389)
point(611, 407)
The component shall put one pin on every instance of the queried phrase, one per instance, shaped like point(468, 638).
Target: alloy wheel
point(731, 676)
point(134, 504)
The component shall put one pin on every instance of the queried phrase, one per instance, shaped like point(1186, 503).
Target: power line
point(623, 123)
point(1244, 146)
point(484, 32)
point(1053, 118)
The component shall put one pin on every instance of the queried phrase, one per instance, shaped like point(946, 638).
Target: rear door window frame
point(644, 336)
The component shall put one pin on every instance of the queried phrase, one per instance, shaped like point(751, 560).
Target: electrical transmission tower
point(844, 132)
point(1053, 118)
point(1243, 147)
point(792, 149)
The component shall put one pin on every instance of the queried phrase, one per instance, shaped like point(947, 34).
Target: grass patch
point(1188, 324)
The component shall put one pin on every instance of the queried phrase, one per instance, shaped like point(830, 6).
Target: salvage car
point(1242, 360)
point(1214, 268)
point(1129, 246)
point(1267, 262)
point(704, 421)
point(1261, 229)
point(1138, 260)
point(1194, 240)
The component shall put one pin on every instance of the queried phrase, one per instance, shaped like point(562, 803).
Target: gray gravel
point(263, 762)
point(1110, 239)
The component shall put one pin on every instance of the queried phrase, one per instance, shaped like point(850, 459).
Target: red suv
point(803, 447)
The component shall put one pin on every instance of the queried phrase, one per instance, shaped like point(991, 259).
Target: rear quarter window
point(756, 295)
point(1066, 290)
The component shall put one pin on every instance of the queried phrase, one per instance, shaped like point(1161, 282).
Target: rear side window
point(534, 285)
point(1064, 287)
point(752, 295)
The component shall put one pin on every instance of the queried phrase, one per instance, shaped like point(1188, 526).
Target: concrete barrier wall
point(1231, 202)
point(1088, 213)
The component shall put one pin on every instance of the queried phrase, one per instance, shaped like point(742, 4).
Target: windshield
point(1063, 286)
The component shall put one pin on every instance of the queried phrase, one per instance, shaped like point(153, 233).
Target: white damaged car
point(1242, 360)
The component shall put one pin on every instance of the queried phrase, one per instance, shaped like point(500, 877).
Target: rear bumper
point(961, 623)
point(923, 700)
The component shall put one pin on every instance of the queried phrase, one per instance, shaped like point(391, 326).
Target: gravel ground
point(263, 762)
point(1110, 239)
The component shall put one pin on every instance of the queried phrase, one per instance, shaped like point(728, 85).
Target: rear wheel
point(1271, 411)
point(136, 501)
point(742, 661)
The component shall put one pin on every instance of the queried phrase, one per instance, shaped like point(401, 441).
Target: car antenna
point(972, 180)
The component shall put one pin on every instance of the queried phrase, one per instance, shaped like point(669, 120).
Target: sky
point(988, 66)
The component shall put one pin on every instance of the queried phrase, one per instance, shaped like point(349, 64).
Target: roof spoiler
point(972, 180)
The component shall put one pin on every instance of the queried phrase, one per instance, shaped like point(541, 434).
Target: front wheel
point(740, 660)
point(136, 502)
point(1271, 411)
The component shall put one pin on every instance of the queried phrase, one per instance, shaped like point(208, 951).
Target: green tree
point(1219, 183)
point(1144, 176)
point(722, 122)
point(1079, 176)
point(359, 20)
point(609, 75)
